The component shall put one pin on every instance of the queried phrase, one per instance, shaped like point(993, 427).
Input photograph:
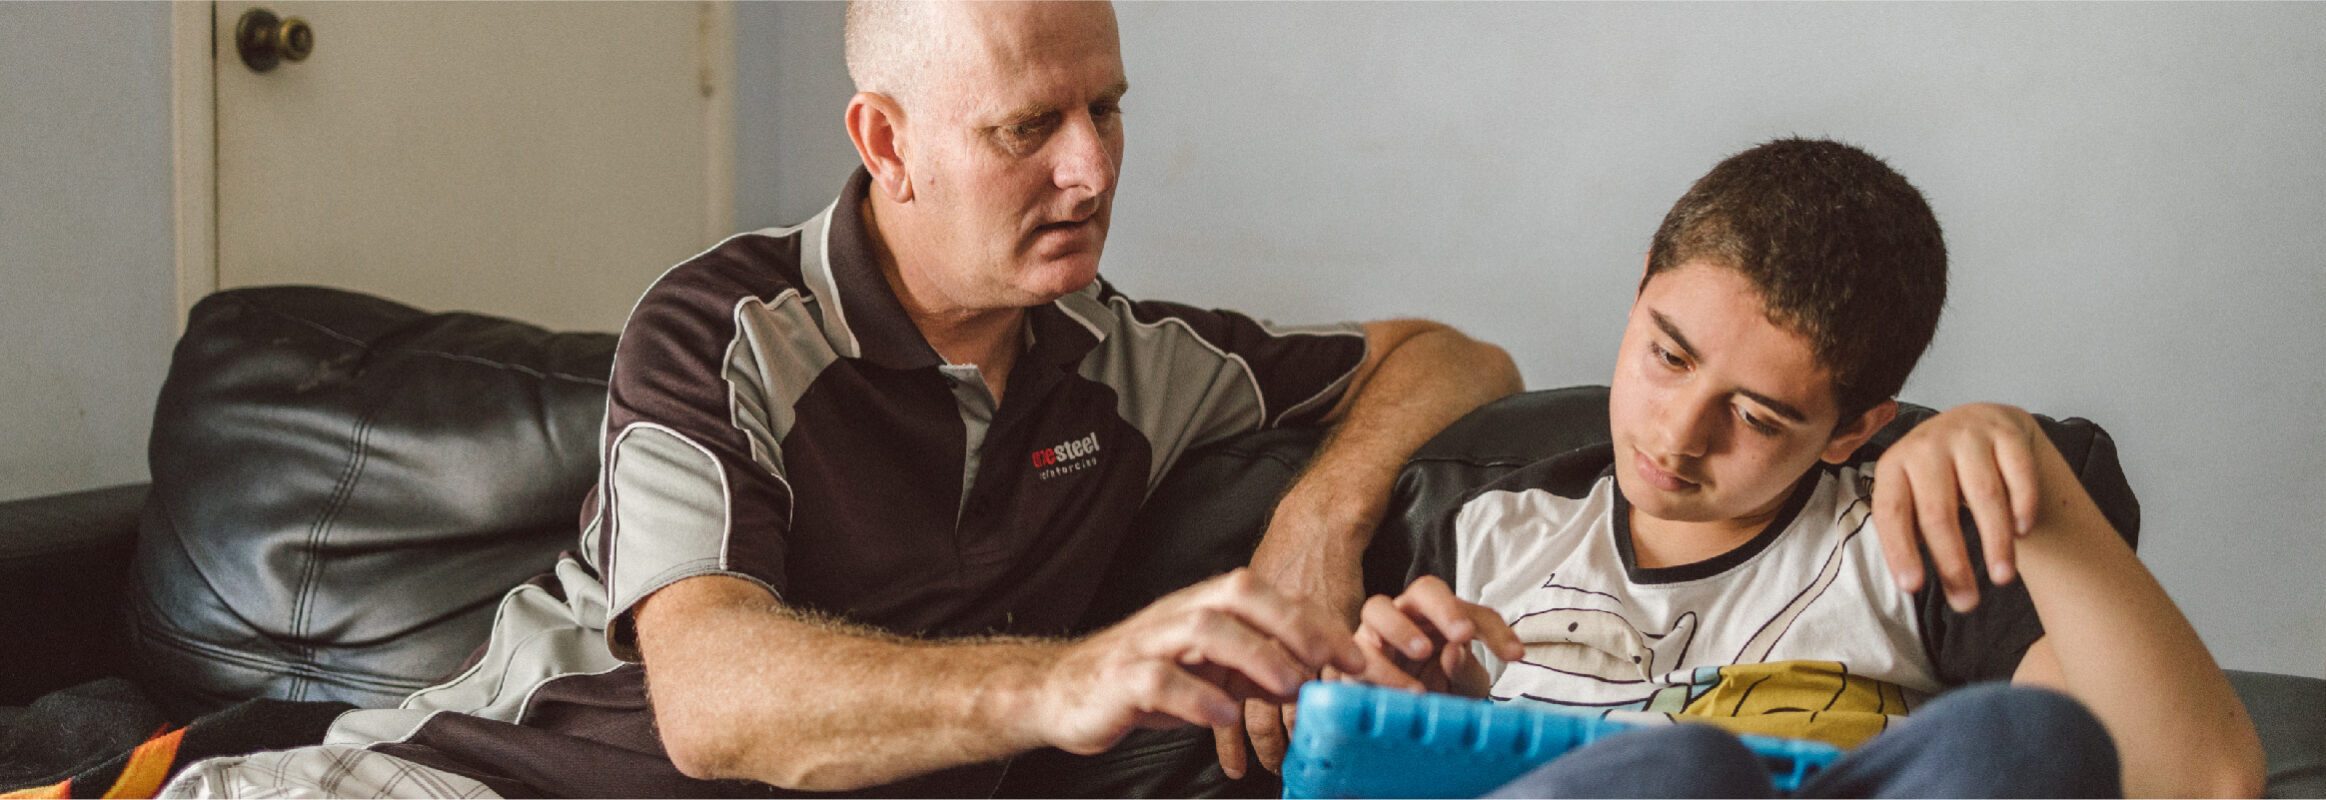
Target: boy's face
point(1715, 409)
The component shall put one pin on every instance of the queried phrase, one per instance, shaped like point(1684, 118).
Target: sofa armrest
point(2290, 713)
point(63, 560)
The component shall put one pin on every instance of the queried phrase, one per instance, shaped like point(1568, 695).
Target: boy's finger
point(1382, 617)
point(1496, 633)
point(1893, 505)
point(1990, 505)
point(1936, 505)
point(1434, 603)
point(1381, 670)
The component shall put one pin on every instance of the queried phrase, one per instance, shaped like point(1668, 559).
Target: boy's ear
point(1853, 434)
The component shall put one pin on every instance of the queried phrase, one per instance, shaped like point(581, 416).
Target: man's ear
point(876, 126)
point(1853, 434)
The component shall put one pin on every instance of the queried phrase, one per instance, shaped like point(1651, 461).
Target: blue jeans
point(1990, 740)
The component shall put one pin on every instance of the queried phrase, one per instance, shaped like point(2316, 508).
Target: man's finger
point(2016, 459)
point(1208, 636)
point(1168, 690)
point(1990, 505)
point(1893, 506)
point(1936, 507)
point(1307, 632)
point(1228, 740)
point(1266, 725)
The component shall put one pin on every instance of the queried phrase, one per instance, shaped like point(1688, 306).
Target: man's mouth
point(1662, 479)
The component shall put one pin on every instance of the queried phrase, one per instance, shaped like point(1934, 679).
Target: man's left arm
point(2112, 637)
point(1417, 377)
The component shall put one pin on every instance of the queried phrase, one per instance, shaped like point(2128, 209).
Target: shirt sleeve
point(692, 481)
point(1231, 373)
point(1986, 644)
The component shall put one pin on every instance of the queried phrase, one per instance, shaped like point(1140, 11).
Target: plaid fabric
point(321, 771)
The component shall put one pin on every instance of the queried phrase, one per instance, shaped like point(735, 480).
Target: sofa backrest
point(342, 489)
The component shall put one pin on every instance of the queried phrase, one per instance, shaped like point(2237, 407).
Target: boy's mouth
point(1662, 479)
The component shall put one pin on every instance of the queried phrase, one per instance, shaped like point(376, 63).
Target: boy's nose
point(1685, 429)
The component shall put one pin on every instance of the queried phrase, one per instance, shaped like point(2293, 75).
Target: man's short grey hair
point(886, 44)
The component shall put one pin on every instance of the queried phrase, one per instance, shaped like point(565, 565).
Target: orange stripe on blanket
point(148, 765)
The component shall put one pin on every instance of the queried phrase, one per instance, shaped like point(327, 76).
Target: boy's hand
point(1420, 641)
point(1981, 456)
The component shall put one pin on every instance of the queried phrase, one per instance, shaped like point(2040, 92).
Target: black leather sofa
point(342, 487)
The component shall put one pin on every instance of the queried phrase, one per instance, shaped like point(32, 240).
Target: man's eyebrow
point(1673, 331)
point(1782, 408)
point(1034, 111)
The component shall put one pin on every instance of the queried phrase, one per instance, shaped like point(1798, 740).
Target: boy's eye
point(1758, 425)
point(1664, 356)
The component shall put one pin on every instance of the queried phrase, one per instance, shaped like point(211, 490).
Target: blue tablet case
point(1359, 741)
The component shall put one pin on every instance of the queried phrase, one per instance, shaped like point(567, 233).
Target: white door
point(543, 161)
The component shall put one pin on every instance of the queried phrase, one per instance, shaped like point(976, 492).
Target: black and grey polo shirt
point(774, 415)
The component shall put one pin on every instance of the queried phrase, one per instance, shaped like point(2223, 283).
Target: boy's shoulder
point(1573, 474)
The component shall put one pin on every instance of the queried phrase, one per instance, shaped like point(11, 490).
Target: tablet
point(1359, 741)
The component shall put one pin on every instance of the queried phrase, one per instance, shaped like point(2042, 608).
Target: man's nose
point(1085, 165)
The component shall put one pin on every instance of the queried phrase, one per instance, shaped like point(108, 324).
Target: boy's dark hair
point(1843, 250)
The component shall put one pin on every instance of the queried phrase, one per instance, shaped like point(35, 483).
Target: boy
point(1723, 559)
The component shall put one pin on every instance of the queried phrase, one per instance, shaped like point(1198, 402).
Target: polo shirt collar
point(868, 322)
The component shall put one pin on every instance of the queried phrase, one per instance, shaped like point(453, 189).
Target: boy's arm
point(2113, 638)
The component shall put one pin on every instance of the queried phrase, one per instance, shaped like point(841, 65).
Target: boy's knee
point(2008, 713)
point(2045, 741)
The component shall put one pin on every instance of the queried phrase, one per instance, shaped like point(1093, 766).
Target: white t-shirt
point(1798, 632)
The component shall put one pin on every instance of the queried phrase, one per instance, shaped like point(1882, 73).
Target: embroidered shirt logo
point(1067, 457)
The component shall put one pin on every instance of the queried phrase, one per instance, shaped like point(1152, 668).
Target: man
point(861, 473)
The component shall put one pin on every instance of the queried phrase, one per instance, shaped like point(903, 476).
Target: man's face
point(1715, 409)
point(1015, 146)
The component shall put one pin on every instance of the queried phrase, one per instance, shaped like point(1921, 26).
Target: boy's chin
point(1686, 506)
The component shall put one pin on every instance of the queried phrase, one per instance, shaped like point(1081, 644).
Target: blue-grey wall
point(86, 277)
point(2134, 196)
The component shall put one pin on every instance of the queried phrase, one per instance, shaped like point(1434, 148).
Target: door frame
point(194, 66)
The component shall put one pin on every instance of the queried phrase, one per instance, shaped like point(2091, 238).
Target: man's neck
point(990, 338)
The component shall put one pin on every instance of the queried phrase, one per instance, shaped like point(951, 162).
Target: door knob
point(266, 40)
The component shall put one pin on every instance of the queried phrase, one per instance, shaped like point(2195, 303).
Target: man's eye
point(1105, 111)
point(1756, 423)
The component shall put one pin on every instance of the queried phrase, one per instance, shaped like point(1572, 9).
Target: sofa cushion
point(344, 486)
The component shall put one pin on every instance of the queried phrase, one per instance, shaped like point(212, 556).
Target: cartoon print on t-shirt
point(1589, 634)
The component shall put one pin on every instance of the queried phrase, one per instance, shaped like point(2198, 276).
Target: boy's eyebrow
point(1782, 408)
point(1673, 331)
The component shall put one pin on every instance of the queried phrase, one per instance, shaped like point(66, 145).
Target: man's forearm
point(2126, 652)
point(750, 691)
point(1423, 384)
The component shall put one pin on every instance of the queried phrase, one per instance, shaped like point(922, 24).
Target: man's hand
point(1420, 641)
point(1982, 456)
point(1320, 575)
point(1190, 658)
